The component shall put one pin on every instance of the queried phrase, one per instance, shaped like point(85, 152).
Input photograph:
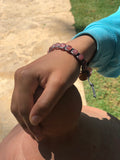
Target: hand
point(54, 72)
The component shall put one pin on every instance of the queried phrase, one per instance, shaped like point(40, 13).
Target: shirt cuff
point(105, 41)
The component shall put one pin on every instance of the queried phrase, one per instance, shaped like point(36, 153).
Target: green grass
point(107, 89)
point(87, 11)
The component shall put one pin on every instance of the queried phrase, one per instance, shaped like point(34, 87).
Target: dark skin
point(55, 73)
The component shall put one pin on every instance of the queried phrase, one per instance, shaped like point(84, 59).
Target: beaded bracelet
point(84, 71)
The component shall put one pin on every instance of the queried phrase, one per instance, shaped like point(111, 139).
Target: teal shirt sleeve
point(106, 32)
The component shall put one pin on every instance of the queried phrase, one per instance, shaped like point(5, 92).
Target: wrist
point(84, 72)
point(86, 45)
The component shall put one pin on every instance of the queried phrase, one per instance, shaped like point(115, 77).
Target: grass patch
point(107, 92)
point(107, 89)
point(87, 11)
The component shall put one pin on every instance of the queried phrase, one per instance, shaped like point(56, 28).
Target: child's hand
point(54, 72)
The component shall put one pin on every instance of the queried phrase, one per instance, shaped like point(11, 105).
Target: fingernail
point(35, 120)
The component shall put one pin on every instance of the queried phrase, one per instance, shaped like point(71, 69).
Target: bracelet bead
point(84, 73)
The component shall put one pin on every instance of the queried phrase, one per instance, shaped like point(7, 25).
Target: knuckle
point(21, 74)
point(17, 73)
point(15, 113)
point(13, 110)
point(58, 81)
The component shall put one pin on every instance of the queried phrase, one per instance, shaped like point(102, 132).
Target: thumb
point(46, 102)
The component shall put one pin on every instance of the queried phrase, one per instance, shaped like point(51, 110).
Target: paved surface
point(27, 29)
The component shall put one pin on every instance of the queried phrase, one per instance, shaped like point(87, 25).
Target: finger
point(20, 121)
point(34, 131)
point(22, 102)
point(15, 111)
point(23, 125)
point(27, 127)
point(24, 110)
point(21, 105)
point(51, 94)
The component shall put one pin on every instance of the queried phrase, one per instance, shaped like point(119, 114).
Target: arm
point(56, 72)
point(106, 33)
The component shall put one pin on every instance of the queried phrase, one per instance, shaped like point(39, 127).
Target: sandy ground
point(27, 29)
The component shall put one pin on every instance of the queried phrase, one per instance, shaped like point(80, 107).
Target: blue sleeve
point(106, 32)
